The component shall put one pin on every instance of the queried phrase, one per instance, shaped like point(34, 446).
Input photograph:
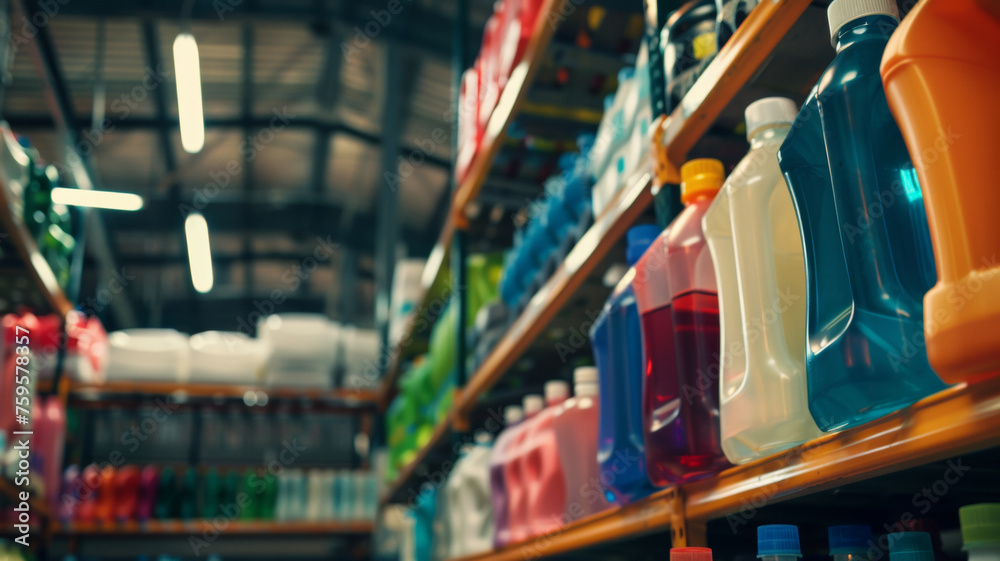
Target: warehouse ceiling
point(294, 98)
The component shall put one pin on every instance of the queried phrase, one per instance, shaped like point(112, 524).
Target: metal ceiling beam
point(46, 122)
point(427, 31)
point(151, 44)
point(387, 223)
point(225, 215)
point(249, 183)
point(61, 105)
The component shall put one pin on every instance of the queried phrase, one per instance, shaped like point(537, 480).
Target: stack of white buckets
point(290, 350)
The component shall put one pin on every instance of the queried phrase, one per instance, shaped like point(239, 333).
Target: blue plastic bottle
point(864, 231)
point(778, 542)
point(617, 341)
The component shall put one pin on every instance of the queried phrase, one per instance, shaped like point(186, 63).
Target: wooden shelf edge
point(219, 390)
point(653, 513)
point(627, 205)
point(959, 420)
point(512, 98)
point(38, 268)
point(402, 481)
point(196, 527)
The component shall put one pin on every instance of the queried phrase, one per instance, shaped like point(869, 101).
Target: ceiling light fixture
point(199, 252)
point(187, 74)
point(96, 199)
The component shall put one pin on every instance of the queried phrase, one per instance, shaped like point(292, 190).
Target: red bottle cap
point(691, 554)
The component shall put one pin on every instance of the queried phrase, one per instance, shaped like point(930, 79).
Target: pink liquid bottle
point(512, 415)
point(576, 428)
point(679, 308)
point(127, 482)
point(513, 472)
point(542, 468)
point(149, 483)
point(49, 423)
point(90, 485)
point(70, 497)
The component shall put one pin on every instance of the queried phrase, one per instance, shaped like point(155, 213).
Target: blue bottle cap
point(910, 546)
point(639, 238)
point(848, 540)
point(778, 539)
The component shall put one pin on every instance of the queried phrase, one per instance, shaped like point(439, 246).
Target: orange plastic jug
point(941, 74)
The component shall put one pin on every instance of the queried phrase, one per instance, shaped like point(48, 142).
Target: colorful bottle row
point(108, 495)
point(788, 299)
point(980, 526)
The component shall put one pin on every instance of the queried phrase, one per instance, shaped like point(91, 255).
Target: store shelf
point(651, 514)
point(87, 391)
point(38, 268)
point(39, 508)
point(956, 421)
point(196, 527)
point(409, 475)
point(511, 100)
point(434, 275)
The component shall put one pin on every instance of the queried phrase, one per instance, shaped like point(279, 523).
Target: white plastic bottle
point(467, 492)
point(752, 233)
point(981, 531)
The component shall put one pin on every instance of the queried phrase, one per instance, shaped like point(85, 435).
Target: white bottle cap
point(585, 375)
point(513, 414)
point(769, 111)
point(556, 390)
point(532, 404)
point(586, 389)
point(842, 12)
point(483, 437)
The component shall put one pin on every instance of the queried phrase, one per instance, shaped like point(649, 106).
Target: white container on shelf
point(361, 354)
point(161, 355)
point(406, 292)
point(303, 350)
point(225, 357)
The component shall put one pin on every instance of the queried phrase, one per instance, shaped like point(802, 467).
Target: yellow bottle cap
point(701, 178)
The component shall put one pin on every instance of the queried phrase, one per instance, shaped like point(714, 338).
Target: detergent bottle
point(849, 543)
point(678, 303)
point(515, 478)
point(513, 415)
point(864, 232)
point(753, 234)
point(910, 546)
point(778, 542)
point(468, 495)
point(981, 531)
point(941, 76)
point(616, 339)
point(542, 470)
point(576, 430)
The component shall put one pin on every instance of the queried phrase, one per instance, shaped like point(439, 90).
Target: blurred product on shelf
point(360, 358)
point(513, 416)
point(689, 44)
point(48, 425)
point(730, 16)
point(849, 543)
point(576, 425)
point(515, 478)
point(29, 183)
point(407, 290)
point(778, 542)
point(540, 473)
point(844, 157)
point(676, 293)
point(616, 340)
point(940, 80)
point(468, 496)
point(422, 514)
point(505, 40)
point(158, 355)
point(752, 232)
point(910, 546)
point(129, 494)
point(224, 357)
point(304, 349)
point(690, 554)
point(981, 531)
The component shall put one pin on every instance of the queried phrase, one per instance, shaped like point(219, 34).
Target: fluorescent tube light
point(96, 199)
point(199, 252)
point(187, 73)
